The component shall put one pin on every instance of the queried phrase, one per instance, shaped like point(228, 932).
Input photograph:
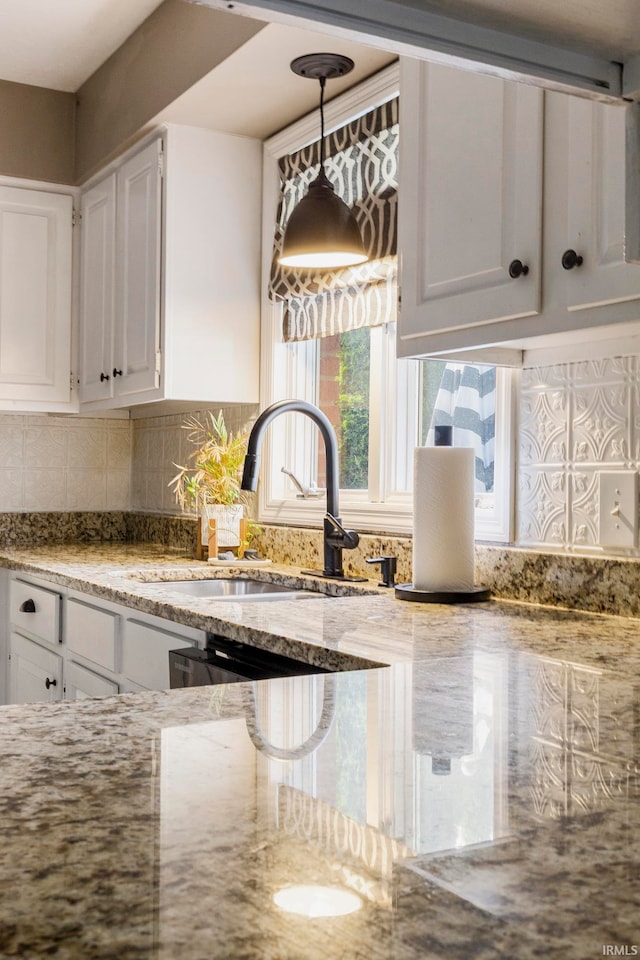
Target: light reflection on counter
point(433, 770)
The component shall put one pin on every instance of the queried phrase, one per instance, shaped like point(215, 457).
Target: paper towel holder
point(407, 591)
point(442, 437)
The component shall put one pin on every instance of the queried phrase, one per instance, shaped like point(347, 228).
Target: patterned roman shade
point(362, 164)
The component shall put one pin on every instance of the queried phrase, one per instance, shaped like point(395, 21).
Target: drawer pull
point(28, 606)
point(50, 683)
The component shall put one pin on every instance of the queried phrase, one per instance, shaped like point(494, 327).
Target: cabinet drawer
point(145, 654)
point(80, 683)
point(92, 633)
point(35, 611)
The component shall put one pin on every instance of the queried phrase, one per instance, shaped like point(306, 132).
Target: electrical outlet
point(618, 508)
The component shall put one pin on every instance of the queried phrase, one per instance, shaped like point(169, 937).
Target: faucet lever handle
point(388, 565)
point(339, 536)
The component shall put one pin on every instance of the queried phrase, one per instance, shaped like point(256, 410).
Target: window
point(381, 407)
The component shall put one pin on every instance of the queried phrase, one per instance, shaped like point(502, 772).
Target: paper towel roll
point(443, 514)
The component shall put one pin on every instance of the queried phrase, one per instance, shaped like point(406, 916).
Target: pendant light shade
point(322, 230)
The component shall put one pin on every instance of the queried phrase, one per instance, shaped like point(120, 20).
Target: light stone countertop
point(480, 796)
point(342, 632)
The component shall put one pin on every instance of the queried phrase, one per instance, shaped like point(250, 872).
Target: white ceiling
point(254, 93)
point(60, 43)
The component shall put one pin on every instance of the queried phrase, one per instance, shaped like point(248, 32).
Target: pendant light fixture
point(322, 230)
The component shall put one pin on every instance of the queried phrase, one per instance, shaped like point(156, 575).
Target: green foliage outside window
point(353, 404)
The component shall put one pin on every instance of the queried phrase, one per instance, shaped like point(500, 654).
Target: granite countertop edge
point(339, 632)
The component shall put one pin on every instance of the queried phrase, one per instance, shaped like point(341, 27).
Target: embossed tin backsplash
point(576, 419)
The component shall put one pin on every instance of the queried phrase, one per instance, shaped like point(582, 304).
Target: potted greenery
point(210, 482)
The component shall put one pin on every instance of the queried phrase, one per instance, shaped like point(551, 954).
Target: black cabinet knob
point(518, 269)
point(117, 373)
point(571, 259)
point(50, 683)
point(104, 376)
point(28, 606)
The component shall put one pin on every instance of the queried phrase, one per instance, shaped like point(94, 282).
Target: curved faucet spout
point(252, 459)
point(336, 538)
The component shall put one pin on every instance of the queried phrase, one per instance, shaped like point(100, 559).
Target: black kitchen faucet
point(336, 538)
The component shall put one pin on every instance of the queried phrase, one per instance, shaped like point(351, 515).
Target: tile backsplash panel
point(57, 463)
point(576, 419)
point(161, 442)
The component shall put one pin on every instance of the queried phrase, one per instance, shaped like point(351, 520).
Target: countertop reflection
point(479, 804)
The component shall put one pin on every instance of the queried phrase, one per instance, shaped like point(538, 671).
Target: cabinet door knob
point(104, 376)
point(571, 259)
point(117, 373)
point(518, 269)
point(28, 606)
point(50, 683)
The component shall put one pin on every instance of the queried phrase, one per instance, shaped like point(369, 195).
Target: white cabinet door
point(470, 202)
point(35, 298)
point(138, 259)
point(97, 290)
point(145, 654)
point(586, 155)
point(35, 674)
point(80, 683)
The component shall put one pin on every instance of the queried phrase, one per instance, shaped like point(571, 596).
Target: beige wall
point(176, 46)
point(64, 137)
point(36, 133)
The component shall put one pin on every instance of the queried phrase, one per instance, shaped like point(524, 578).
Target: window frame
point(279, 379)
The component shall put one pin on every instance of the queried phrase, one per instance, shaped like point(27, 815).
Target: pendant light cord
point(323, 81)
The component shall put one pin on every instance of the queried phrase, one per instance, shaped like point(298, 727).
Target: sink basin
point(237, 588)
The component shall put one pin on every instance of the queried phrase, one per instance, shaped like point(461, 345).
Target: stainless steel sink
point(238, 588)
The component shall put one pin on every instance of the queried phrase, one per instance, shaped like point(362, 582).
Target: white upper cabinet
point(471, 198)
point(173, 313)
point(35, 300)
point(97, 290)
point(497, 176)
point(585, 210)
point(136, 368)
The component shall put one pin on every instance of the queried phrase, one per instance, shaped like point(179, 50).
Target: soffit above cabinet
point(576, 45)
point(253, 93)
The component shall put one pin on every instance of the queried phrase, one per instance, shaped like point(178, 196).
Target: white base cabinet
point(63, 644)
point(145, 654)
point(35, 673)
point(81, 684)
point(170, 273)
